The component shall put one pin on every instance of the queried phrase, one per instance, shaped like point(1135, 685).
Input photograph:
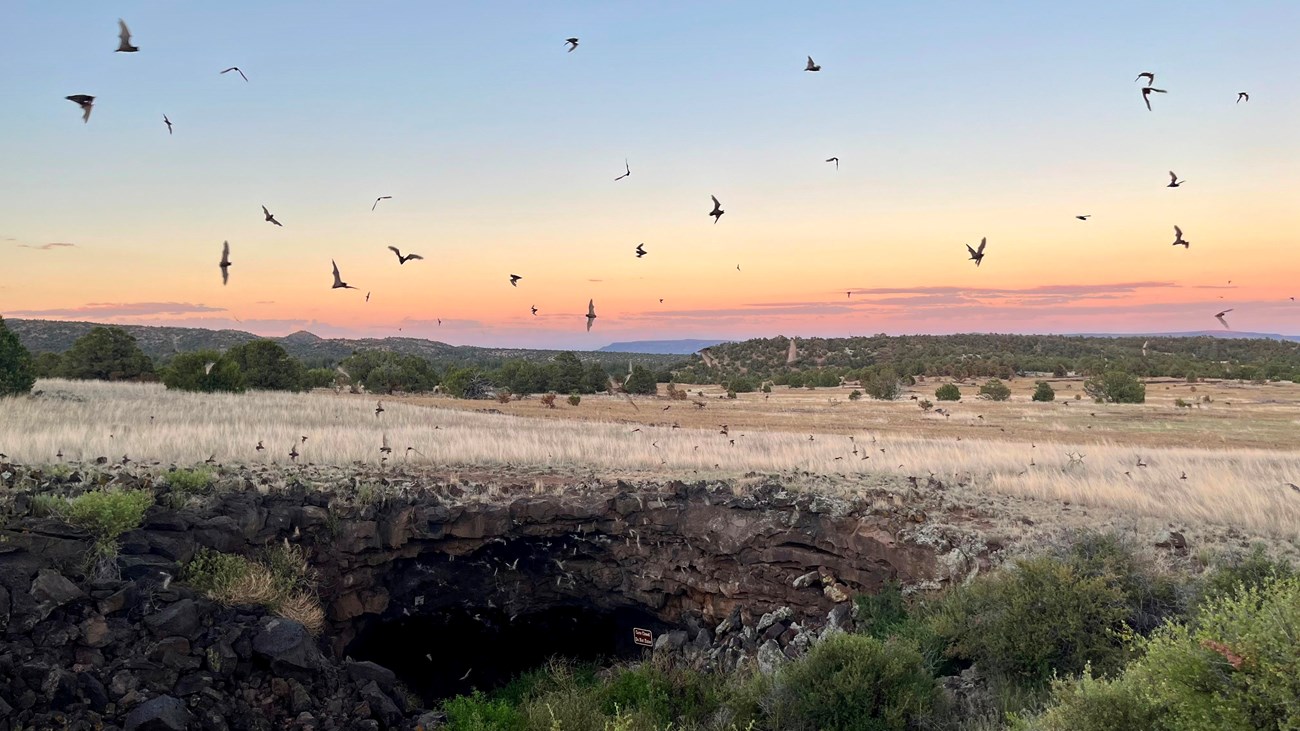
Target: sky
point(952, 121)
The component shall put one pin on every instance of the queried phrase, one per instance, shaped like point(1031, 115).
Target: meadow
point(1236, 471)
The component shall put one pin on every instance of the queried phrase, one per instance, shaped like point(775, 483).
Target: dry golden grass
point(1227, 485)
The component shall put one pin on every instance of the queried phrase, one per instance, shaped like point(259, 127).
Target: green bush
point(854, 682)
point(319, 378)
point(1036, 619)
point(1235, 573)
point(213, 572)
point(925, 404)
point(105, 515)
point(855, 394)
point(574, 399)
point(205, 371)
point(1088, 704)
point(995, 390)
point(1151, 594)
point(17, 371)
point(477, 712)
point(192, 481)
point(1117, 387)
point(742, 384)
point(948, 392)
point(1237, 667)
point(1043, 391)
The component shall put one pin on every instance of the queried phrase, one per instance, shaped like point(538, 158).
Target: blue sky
point(952, 120)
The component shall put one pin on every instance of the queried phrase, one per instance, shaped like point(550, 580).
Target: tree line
point(823, 362)
point(112, 354)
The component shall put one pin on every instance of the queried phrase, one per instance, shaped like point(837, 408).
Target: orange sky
point(511, 171)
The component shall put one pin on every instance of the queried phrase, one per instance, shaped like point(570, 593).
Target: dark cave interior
point(455, 651)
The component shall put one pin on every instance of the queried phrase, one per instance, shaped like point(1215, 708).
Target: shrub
point(879, 614)
point(925, 404)
point(1118, 387)
point(994, 390)
point(319, 378)
point(731, 394)
point(883, 385)
point(574, 399)
point(742, 384)
point(854, 682)
point(503, 396)
point(1043, 391)
point(1039, 618)
point(1238, 667)
point(1236, 573)
point(203, 370)
point(767, 387)
point(948, 392)
point(855, 394)
point(17, 372)
point(477, 712)
point(1151, 594)
point(105, 515)
point(195, 481)
point(549, 400)
point(282, 581)
point(1182, 404)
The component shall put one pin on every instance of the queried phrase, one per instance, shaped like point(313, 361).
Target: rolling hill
point(160, 343)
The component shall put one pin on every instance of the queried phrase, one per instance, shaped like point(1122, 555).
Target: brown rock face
point(681, 550)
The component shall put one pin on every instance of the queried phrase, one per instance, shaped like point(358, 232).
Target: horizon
point(719, 341)
point(499, 150)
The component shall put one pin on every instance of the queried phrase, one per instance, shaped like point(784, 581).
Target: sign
point(643, 637)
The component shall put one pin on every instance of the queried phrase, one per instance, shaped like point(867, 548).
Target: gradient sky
point(952, 121)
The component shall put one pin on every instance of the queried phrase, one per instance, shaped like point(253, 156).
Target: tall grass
point(85, 420)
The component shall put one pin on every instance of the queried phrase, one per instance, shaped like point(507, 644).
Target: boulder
point(164, 713)
point(288, 646)
point(365, 672)
point(181, 619)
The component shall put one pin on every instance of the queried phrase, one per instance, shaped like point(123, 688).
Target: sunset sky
point(952, 121)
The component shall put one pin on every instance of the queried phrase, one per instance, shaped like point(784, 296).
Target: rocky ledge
point(727, 575)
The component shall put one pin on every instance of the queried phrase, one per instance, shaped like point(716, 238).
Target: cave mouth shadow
point(458, 650)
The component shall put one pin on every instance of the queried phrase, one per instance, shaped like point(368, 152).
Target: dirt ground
point(1222, 414)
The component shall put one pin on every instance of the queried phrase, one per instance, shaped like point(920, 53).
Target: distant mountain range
point(160, 343)
point(660, 347)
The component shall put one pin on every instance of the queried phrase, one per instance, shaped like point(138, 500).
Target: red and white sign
point(643, 637)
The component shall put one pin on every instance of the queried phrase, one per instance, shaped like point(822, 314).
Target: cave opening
point(457, 650)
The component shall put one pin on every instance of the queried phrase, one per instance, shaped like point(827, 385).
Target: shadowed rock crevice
point(454, 651)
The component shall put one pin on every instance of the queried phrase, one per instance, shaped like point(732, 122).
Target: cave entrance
point(455, 651)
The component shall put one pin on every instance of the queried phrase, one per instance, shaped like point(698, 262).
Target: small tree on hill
point(1117, 387)
point(948, 392)
point(106, 354)
point(203, 370)
point(17, 374)
point(1044, 392)
point(995, 390)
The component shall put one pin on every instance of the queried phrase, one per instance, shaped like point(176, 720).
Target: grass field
point(1209, 480)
